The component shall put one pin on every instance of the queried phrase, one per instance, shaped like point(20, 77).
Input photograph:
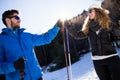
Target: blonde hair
point(101, 17)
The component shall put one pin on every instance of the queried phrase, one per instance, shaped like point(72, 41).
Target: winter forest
point(54, 52)
point(52, 57)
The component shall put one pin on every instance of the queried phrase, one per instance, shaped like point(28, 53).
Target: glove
point(59, 23)
point(19, 64)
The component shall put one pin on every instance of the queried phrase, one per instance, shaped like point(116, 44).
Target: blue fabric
point(12, 47)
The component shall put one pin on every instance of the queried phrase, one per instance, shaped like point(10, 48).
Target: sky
point(38, 16)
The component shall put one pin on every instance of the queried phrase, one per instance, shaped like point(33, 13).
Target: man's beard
point(16, 26)
point(13, 25)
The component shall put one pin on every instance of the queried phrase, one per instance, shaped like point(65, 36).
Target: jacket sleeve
point(5, 67)
point(45, 38)
point(79, 35)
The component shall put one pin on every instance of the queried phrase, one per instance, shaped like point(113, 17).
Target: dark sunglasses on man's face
point(16, 17)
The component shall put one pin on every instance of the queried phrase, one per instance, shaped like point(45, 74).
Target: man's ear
point(8, 22)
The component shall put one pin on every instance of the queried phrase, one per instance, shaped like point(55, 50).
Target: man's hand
point(60, 24)
point(19, 64)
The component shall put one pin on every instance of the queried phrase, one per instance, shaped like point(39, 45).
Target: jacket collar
point(10, 31)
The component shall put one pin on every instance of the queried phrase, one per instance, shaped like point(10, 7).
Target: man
point(17, 59)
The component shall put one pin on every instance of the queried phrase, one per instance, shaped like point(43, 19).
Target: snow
point(81, 70)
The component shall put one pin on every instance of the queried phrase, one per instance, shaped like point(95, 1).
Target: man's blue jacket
point(13, 46)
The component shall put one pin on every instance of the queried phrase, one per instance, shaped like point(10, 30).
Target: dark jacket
point(100, 41)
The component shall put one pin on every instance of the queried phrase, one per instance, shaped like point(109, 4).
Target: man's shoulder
point(1, 34)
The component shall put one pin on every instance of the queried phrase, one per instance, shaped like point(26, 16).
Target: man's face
point(14, 21)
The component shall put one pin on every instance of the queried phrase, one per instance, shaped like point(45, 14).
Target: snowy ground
point(81, 70)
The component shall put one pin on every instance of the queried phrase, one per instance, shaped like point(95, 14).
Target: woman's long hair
point(101, 16)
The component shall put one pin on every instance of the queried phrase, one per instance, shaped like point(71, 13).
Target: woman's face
point(91, 14)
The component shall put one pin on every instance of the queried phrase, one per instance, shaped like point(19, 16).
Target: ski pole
point(66, 57)
point(22, 73)
point(68, 50)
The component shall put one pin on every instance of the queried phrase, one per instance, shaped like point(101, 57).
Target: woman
point(105, 58)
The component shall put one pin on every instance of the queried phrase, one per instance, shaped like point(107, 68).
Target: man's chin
point(17, 26)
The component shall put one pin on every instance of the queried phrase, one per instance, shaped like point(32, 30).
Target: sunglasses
point(16, 17)
point(91, 10)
